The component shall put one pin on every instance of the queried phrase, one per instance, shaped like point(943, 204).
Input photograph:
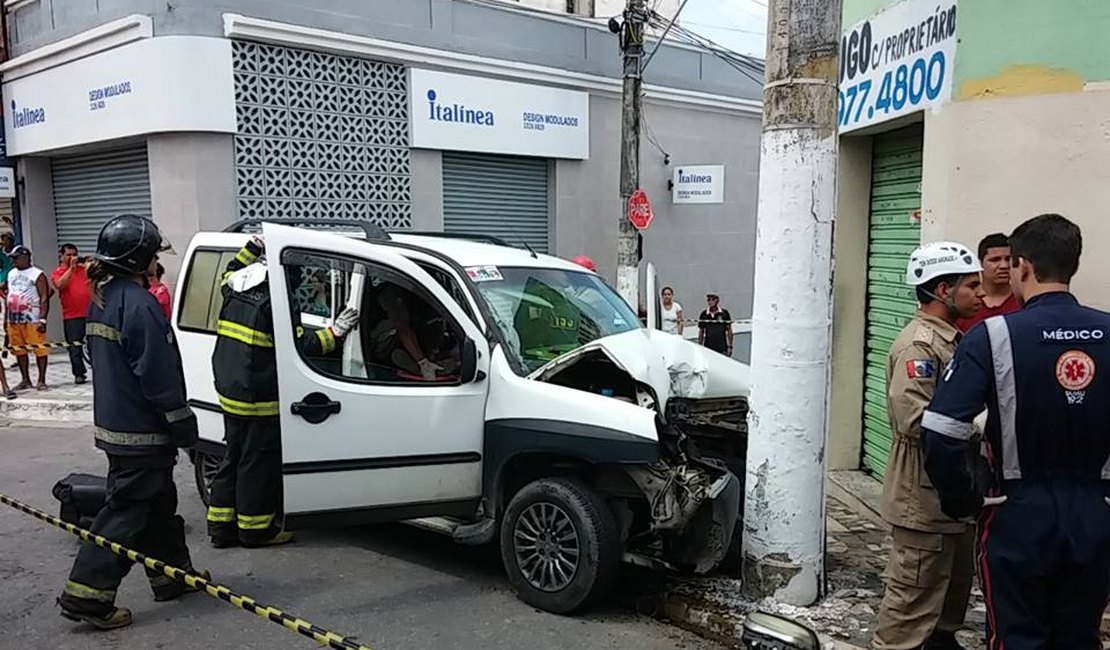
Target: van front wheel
point(559, 545)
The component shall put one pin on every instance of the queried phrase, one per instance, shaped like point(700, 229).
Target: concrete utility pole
point(784, 514)
point(628, 260)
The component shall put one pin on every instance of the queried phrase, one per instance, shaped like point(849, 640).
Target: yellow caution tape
point(35, 346)
point(272, 614)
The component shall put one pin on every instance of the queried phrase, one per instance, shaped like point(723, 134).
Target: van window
point(399, 325)
point(450, 286)
point(200, 308)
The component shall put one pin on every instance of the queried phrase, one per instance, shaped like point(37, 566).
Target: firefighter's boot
point(102, 616)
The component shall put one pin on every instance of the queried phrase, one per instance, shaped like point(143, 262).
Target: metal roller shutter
point(89, 189)
point(895, 230)
point(503, 196)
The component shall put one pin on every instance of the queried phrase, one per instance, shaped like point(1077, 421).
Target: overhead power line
point(750, 67)
point(726, 29)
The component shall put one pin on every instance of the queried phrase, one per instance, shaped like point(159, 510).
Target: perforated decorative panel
point(321, 135)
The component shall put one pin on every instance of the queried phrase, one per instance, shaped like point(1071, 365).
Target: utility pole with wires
point(628, 248)
point(784, 512)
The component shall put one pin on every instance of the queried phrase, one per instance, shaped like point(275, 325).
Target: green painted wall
point(1010, 47)
point(1020, 47)
point(853, 11)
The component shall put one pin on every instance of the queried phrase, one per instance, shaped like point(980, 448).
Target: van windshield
point(544, 313)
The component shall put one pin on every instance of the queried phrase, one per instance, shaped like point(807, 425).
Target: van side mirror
point(469, 368)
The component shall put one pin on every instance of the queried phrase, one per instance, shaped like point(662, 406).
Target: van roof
point(464, 252)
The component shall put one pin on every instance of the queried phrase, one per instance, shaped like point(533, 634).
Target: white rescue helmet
point(940, 258)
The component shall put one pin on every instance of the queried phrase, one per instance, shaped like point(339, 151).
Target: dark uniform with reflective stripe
point(141, 417)
point(1045, 552)
point(246, 494)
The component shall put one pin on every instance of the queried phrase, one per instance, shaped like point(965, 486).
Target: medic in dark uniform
point(246, 494)
point(1039, 488)
point(141, 419)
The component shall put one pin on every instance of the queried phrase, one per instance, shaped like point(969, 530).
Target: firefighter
point(141, 419)
point(1044, 521)
point(929, 574)
point(246, 494)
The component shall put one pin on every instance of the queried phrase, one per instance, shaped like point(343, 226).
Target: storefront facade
point(204, 118)
point(953, 129)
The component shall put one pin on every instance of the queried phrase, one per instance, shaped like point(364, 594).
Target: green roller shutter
point(503, 196)
point(89, 189)
point(895, 230)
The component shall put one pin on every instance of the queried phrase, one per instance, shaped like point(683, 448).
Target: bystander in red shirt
point(76, 294)
point(160, 290)
point(1009, 305)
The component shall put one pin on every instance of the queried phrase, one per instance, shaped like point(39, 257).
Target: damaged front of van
point(581, 348)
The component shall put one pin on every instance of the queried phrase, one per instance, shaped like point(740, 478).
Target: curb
point(711, 622)
point(46, 410)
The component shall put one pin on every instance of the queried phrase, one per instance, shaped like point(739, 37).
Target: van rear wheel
point(204, 471)
point(559, 545)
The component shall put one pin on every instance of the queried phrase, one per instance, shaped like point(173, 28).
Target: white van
point(557, 424)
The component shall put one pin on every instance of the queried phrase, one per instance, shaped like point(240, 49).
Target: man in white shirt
point(28, 306)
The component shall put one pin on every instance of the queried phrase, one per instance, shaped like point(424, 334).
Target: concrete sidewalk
point(858, 544)
point(63, 401)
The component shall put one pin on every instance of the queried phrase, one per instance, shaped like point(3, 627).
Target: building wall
point(854, 11)
point(989, 165)
point(850, 239)
point(192, 187)
point(694, 248)
point(453, 25)
point(1024, 48)
point(1026, 132)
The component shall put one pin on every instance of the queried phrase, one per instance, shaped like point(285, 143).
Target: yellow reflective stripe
point(327, 339)
point(227, 276)
point(78, 590)
point(220, 515)
point(300, 331)
point(103, 331)
point(245, 257)
point(249, 409)
point(255, 522)
point(244, 334)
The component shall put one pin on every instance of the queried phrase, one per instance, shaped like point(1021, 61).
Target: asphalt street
point(393, 587)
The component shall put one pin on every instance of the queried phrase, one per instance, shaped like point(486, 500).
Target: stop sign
point(639, 210)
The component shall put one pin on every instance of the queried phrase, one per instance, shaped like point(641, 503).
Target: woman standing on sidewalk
point(672, 312)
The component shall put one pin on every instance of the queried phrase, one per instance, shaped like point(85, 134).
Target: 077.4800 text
point(907, 85)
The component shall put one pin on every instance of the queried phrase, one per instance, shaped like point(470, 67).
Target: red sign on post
point(639, 210)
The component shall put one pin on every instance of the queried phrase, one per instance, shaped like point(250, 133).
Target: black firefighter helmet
point(128, 242)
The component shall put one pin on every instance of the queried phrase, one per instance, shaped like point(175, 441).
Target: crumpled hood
point(671, 365)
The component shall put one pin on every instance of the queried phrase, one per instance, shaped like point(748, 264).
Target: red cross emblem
point(1075, 370)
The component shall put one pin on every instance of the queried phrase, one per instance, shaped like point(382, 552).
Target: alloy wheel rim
point(547, 547)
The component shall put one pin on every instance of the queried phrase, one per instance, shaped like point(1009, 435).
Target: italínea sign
point(897, 62)
point(463, 113)
point(698, 184)
point(154, 85)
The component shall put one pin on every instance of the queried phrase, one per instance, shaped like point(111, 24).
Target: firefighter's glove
point(345, 322)
point(183, 428)
point(428, 369)
point(259, 241)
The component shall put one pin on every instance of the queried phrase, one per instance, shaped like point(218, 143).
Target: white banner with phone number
point(897, 62)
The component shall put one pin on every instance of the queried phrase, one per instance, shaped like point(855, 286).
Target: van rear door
point(197, 306)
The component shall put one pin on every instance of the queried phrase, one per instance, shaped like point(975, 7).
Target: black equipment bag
point(82, 496)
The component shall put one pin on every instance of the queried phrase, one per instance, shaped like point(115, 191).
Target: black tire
point(204, 470)
point(531, 557)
